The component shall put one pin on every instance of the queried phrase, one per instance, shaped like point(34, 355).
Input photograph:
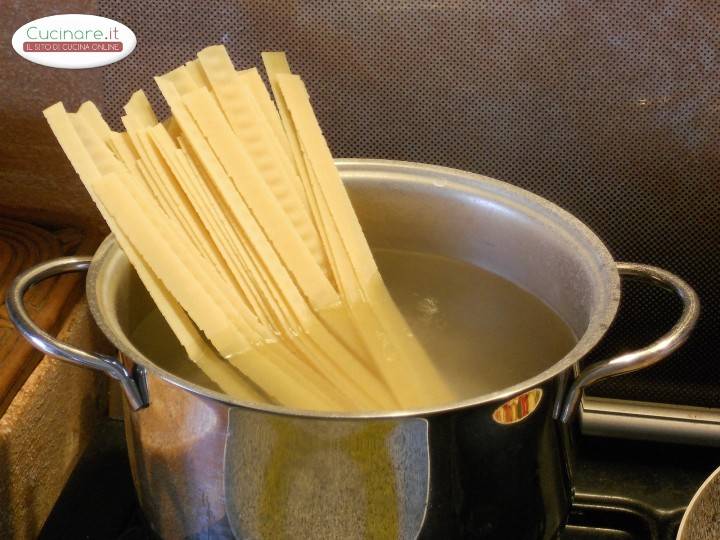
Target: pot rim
point(429, 175)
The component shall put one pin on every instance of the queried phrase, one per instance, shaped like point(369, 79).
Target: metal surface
point(700, 521)
point(518, 408)
point(626, 490)
point(619, 518)
point(650, 421)
point(205, 464)
point(647, 356)
point(48, 344)
point(203, 468)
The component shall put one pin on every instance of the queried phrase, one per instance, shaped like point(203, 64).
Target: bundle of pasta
point(237, 222)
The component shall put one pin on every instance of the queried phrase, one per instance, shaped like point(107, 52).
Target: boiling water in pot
point(483, 331)
point(486, 332)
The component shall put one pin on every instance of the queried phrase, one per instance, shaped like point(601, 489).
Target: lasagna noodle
point(236, 219)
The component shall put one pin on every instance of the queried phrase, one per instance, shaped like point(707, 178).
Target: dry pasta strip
point(236, 220)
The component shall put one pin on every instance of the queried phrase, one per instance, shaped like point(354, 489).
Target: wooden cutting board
point(24, 243)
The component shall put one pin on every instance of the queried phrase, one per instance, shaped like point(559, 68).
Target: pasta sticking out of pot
point(237, 222)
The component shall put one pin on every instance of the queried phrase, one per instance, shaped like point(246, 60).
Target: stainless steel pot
point(208, 465)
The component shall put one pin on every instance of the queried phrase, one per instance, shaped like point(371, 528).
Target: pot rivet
point(518, 408)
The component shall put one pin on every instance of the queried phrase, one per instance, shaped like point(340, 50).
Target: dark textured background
point(35, 175)
point(611, 110)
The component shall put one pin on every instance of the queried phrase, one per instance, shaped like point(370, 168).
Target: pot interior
point(503, 288)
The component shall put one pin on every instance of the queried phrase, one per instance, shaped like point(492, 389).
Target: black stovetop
point(626, 490)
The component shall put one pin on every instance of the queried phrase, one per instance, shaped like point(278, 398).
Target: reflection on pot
point(176, 447)
point(518, 408)
point(331, 479)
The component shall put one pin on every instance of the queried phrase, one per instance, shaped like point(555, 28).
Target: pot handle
point(646, 356)
point(44, 342)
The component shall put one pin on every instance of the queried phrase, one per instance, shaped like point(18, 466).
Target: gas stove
point(626, 490)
